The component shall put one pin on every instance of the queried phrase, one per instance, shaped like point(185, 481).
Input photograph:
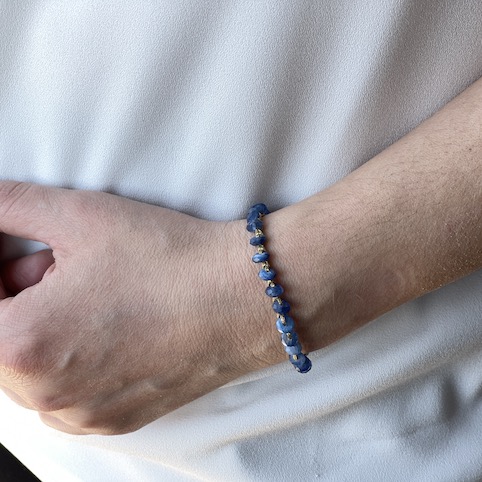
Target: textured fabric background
point(208, 107)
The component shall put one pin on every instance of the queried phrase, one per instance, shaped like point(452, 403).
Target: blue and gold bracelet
point(284, 323)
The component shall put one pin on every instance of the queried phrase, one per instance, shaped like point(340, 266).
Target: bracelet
point(284, 323)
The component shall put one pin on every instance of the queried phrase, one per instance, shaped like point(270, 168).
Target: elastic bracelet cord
point(284, 323)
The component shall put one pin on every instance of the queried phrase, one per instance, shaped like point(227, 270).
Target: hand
point(135, 312)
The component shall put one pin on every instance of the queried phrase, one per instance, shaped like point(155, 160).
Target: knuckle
point(85, 420)
point(98, 423)
point(115, 430)
point(12, 194)
point(14, 189)
point(19, 364)
point(47, 403)
point(24, 363)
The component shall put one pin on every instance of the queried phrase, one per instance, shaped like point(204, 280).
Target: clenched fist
point(135, 311)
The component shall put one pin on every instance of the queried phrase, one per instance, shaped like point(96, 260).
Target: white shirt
point(207, 108)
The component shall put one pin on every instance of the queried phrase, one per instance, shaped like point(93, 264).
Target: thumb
point(18, 274)
point(31, 211)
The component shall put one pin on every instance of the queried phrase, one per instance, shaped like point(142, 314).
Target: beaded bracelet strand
point(284, 323)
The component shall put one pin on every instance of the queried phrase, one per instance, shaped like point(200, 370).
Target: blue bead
point(260, 257)
point(289, 341)
point(257, 240)
point(281, 308)
point(252, 216)
point(274, 291)
point(259, 208)
point(253, 226)
point(299, 361)
point(302, 364)
point(267, 275)
point(288, 327)
point(293, 350)
point(306, 367)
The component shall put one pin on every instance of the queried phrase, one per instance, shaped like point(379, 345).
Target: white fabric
point(208, 107)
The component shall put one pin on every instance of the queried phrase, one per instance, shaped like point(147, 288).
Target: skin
point(138, 310)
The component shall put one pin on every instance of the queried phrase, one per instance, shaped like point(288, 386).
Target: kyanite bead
point(257, 240)
point(306, 367)
point(260, 257)
point(300, 359)
point(302, 363)
point(289, 340)
point(259, 208)
point(274, 291)
point(252, 216)
point(288, 325)
point(293, 349)
point(267, 275)
point(254, 225)
point(282, 307)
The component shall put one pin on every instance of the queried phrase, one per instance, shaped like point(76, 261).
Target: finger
point(18, 274)
point(31, 211)
point(3, 292)
point(60, 425)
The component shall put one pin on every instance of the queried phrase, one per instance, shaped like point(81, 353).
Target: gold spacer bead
point(295, 357)
point(282, 319)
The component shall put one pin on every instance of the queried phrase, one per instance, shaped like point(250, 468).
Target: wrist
point(337, 269)
point(328, 280)
point(304, 290)
point(303, 266)
point(253, 338)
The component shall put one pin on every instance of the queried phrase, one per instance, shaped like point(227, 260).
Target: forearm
point(407, 222)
